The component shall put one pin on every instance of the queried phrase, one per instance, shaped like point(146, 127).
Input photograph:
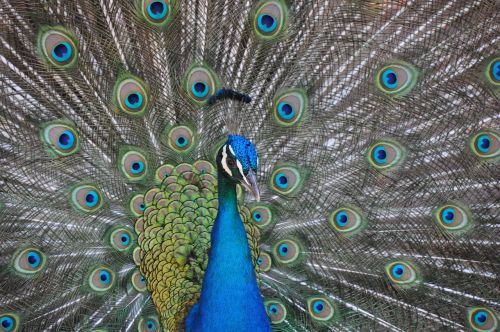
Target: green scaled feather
point(58, 47)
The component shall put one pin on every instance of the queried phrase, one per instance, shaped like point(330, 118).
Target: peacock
point(235, 165)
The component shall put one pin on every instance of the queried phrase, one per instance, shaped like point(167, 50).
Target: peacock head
point(237, 160)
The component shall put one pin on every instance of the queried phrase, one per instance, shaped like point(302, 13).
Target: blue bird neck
point(230, 297)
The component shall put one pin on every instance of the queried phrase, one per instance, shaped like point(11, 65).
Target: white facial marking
point(224, 161)
point(240, 168)
point(232, 151)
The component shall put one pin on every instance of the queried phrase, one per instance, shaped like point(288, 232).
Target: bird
point(272, 165)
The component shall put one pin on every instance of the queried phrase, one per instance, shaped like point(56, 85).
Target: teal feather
point(377, 132)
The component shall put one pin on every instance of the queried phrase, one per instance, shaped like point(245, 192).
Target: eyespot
point(138, 281)
point(452, 217)
point(61, 138)
point(261, 215)
point(204, 167)
point(286, 251)
point(286, 180)
point(87, 198)
point(345, 220)
point(320, 308)
point(400, 272)
point(130, 95)
point(485, 144)
point(156, 12)
point(9, 322)
point(482, 319)
point(396, 79)
point(121, 239)
point(137, 256)
point(137, 205)
point(264, 262)
point(133, 165)
point(385, 154)
point(149, 324)
point(162, 172)
point(493, 71)
point(101, 279)
point(58, 46)
point(201, 83)
point(29, 261)
point(290, 107)
point(180, 139)
point(276, 311)
point(269, 19)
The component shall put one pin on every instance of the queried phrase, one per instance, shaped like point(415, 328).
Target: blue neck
point(230, 297)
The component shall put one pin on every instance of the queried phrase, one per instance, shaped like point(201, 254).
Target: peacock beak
point(250, 184)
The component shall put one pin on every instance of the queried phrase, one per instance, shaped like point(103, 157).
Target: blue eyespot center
point(380, 154)
point(143, 280)
point(273, 309)
point(105, 277)
point(448, 216)
point(157, 10)
point(125, 239)
point(7, 323)
point(286, 111)
point(283, 249)
point(282, 180)
point(481, 317)
point(495, 69)
point(150, 325)
point(398, 270)
point(259, 261)
point(62, 52)
point(181, 141)
point(199, 89)
point(91, 199)
point(267, 23)
point(134, 100)
point(34, 259)
point(137, 167)
point(257, 216)
point(318, 306)
point(142, 207)
point(341, 218)
point(66, 140)
point(390, 79)
point(484, 143)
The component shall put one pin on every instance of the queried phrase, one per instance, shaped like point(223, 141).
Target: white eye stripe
point(224, 161)
point(240, 168)
point(232, 151)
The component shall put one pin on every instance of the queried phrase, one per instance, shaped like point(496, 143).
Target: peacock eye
point(452, 217)
point(138, 281)
point(320, 308)
point(61, 138)
point(101, 279)
point(162, 172)
point(269, 19)
point(485, 144)
point(180, 138)
point(200, 84)
point(86, 198)
point(482, 319)
point(396, 79)
point(121, 239)
point(29, 261)
point(131, 96)
point(385, 154)
point(156, 12)
point(401, 273)
point(345, 220)
point(133, 165)
point(286, 180)
point(137, 205)
point(286, 251)
point(261, 215)
point(149, 324)
point(276, 311)
point(289, 107)
point(9, 322)
point(58, 47)
point(204, 167)
point(264, 262)
point(493, 71)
